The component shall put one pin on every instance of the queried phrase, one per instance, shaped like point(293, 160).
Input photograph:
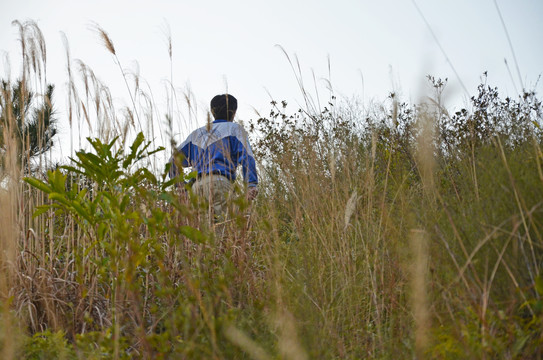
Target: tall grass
point(390, 231)
point(446, 225)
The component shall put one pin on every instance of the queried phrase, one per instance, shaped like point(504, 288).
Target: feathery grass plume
point(129, 120)
point(93, 102)
point(350, 208)
point(135, 73)
point(72, 94)
point(419, 298)
point(109, 46)
point(289, 344)
point(107, 127)
point(86, 116)
point(86, 73)
point(33, 49)
point(70, 75)
point(418, 238)
point(332, 166)
point(208, 121)
point(247, 344)
point(168, 34)
point(106, 40)
point(425, 150)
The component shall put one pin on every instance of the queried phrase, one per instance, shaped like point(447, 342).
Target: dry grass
point(9, 221)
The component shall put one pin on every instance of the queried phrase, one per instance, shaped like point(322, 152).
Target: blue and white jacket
point(218, 151)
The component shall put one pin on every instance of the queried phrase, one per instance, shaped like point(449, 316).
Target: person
point(214, 152)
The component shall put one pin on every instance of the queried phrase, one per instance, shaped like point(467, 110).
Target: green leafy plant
point(132, 222)
point(48, 345)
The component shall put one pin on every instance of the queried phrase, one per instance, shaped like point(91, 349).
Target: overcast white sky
point(374, 46)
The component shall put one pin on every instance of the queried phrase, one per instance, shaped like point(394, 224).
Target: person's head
point(224, 107)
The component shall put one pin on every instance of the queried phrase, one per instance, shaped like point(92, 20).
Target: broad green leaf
point(81, 194)
point(89, 158)
point(146, 174)
point(132, 215)
point(192, 233)
point(82, 212)
point(166, 197)
point(57, 180)
point(191, 175)
point(111, 143)
point(72, 169)
point(38, 184)
point(143, 151)
point(112, 199)
point(170, 182)
point(134, 148)
point(42, 209)
point(91, 246)
point(60, 198)
point(167, 168)
point(102, 230)
point(158, 149)
point(124, 202)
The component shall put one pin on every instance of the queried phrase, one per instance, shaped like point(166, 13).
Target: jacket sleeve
point(184, 152)
point(245, 157)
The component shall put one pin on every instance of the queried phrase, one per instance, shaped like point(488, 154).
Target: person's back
point(214, 152)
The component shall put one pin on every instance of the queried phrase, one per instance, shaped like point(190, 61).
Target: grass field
point(393, 230)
